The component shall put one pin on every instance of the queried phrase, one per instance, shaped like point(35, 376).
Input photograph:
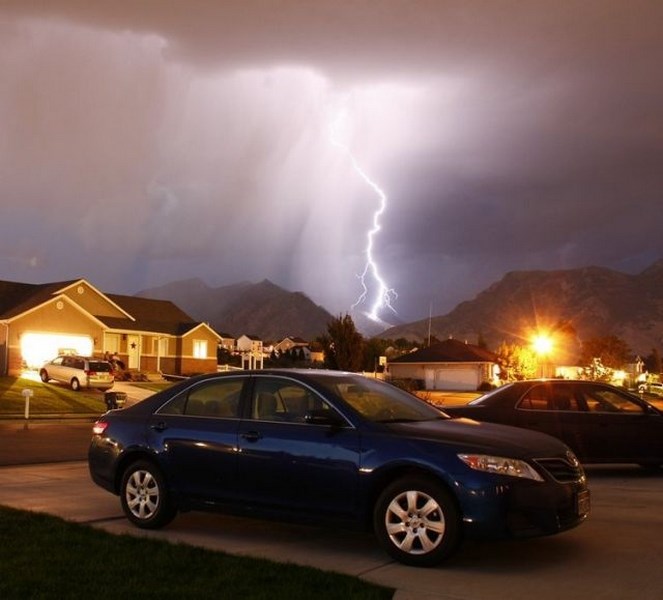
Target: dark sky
point(149, 141)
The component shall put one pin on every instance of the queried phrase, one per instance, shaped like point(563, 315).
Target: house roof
point(17, 298)
point(450, 350)
point(146, 314)
point(161, 316)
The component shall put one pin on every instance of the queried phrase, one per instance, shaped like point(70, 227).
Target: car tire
point(43, 375)
point(417, 521)
point(145, 498)
point(75, 384)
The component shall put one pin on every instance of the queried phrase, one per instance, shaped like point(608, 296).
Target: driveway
point(615, 555)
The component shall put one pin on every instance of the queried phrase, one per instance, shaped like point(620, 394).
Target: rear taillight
point(91, 373)
point(99, 427)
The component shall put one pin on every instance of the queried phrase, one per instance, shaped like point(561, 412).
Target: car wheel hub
point(142, 494)
point(415, 523)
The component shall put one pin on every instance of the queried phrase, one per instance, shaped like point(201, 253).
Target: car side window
point(549, 397)
point(217, 399)
point(562, 398)
point(283, 400)
point(536, 398)
point(604, 400)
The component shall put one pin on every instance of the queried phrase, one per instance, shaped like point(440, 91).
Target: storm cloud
point(149, 141)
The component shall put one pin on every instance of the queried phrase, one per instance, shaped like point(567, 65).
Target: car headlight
point(500, 465)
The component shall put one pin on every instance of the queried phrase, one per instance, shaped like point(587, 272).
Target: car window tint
point(217, 399)
point(96, 365)
point(536, 398)
point(600, 399)
point(283, 400)
point(562, 398)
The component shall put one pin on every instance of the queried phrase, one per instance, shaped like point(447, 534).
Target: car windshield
point(380, 402)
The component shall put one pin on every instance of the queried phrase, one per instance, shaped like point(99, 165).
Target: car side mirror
point(323, 417)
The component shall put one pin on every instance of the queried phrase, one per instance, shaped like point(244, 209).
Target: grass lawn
point(47, 399)
point(44, 557)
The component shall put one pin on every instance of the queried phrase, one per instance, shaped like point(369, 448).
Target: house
point(293, 343)
point(448, 365)
point(226, 341)
point(37, 322)
point(250, 348)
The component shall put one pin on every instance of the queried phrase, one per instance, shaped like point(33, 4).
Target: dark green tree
point(343, 345)
point(653, 362)
point(613, 352)
point(374, 348)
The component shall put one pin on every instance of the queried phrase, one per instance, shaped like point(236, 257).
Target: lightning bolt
point(384, 295)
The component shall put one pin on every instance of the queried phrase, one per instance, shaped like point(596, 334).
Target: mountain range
point(263, 309)
point(590, 301)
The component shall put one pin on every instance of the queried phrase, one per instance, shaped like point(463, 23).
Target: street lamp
point(542, 344)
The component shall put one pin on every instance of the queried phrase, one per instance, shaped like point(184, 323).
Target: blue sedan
point(337, 447)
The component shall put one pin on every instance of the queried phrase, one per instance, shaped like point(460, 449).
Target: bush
point(485, 386)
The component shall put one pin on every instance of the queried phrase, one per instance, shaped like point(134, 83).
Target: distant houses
point(40, 321)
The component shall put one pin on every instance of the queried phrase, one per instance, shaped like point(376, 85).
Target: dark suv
point(79, 372)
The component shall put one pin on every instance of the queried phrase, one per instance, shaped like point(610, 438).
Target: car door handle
point(160, 426)
point(252, 436)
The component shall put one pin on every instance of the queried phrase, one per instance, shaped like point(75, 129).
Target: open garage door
point(37, 348)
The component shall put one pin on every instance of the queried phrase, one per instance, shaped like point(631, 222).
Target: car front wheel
point(75, 384)
point(417, 522)
point(145, 498)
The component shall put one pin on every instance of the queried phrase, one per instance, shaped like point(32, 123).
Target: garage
point(455, 378)
point(448, 365)
point(37, 348)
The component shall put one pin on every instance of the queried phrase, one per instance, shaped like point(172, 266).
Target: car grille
point(562, 470)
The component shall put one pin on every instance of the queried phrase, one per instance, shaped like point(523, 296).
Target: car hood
point(488, 438)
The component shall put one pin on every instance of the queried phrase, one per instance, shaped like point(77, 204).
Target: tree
point(516, 362)
point(612, 351)
point(653, 362)
point(596, 371)
point(343, 345)
point(374, 348)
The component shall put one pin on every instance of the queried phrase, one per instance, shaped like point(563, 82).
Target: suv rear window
point(100, 366)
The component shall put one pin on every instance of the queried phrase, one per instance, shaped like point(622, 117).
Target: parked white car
point(656, 389)
point(79, 372)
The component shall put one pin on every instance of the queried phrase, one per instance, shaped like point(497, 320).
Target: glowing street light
point(542, 344)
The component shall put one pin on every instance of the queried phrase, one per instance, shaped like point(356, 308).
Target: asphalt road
point(615, 555)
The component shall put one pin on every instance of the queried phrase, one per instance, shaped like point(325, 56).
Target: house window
point(160, 346)
point(200, 348)
point(111, 342)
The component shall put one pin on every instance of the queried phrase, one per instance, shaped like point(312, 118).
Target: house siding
point(86, 297)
